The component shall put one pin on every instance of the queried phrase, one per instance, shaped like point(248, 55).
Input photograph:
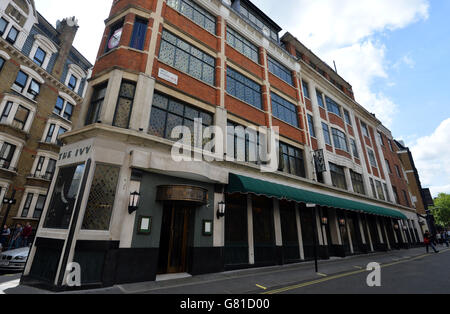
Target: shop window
point(97, 99)
point(139, 32)
point(243, 88)
point(124, 105)
point(63, 198)
point(280, 70)
point(284, 110)
point(242, 45)
point(292, 160)
point(338, 176)
point(101, 198)
point(263, 229)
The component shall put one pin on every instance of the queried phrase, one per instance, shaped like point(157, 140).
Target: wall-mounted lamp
point(133, 204)
point(396, 227)
point(324, 221)
point(342, 222)
point(221, 210)
point(405, 228)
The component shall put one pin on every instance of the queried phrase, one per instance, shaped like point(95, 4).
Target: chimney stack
point(67, 29)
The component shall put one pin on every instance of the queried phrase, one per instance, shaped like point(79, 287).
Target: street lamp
point(221, 210)
point(133, 204)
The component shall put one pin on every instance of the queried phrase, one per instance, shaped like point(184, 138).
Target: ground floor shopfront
point(176, 227)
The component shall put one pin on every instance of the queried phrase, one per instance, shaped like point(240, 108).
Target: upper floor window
point(243, 88)
point(358, 183)
point(388, 197)
point(242, 144)
point(139, 33)
point(2, 62)
point(168, 113)
point(347, 117)
point(252, 17)
point(388, 166)
point(320, 99)
point(292, 160)
point(72, 82)
point(186, 58)
point(280, 70)
point(39, 56)
point(338, 176)
point(391, 147)
point(115, 34)
point(33, 205)
point(396, 198)
point(374, 190)
point(195, 13)
point(372, 159)
point(7, 151)
point(399, 174)
point(380, 190)
point(284, 110)
point(12, 35)
point(405, 195)
point(45, 168)
point(305, 89)
point(124, 105)
point(53, 131)
point(354, 148)
point(16, 115)
point(312, 129)
point(27, 85)
point(3, 25)
point(326, 134)
point(63, 108)
point(242, 45)
point(365, 130)
point(339, 139)
point(333, 107)
point(380, 138)
point(98, 96)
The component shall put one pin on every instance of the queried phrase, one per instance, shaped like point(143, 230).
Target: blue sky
point(396, 54)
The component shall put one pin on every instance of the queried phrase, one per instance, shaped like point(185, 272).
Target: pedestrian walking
point(428, 240)
point(16, 237)
point(445, 238)
point(4, 237)
point(26, 234)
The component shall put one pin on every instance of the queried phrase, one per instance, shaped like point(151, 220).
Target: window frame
point(305, 89)
point(295, 156)
point(339, 171)
point(233, 77)
point(312, 130)
point(278, 102)
point(340, 138)
point(38, 61)
point(233, 36)
point(96, 103)
point(11, 40)
point(195, 8)
point(333, 107)
point(2, 63)
point(6, 160)
point(359, 180)
point(280, 70)
point(327, 134)
point(320, 101)
point(372, 158)
point(137, 40)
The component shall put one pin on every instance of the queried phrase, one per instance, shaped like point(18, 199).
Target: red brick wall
point(245, 111)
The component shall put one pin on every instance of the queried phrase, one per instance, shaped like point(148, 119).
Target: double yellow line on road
point(315, 282)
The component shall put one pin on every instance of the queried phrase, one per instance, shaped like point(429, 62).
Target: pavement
point(405, 271)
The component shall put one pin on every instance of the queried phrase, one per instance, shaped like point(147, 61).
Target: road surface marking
point(9, 285)
point(264, 288)
point(323, 275)
point(358, 267)
point(314, 282)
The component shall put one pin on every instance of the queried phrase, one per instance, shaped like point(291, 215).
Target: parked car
point(14, 260)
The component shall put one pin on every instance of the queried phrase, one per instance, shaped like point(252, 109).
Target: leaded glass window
point(195, 13)
point(242, 45)
point(333, 107)
point(186, 58)
point(243, 88)
point(284, 110)
point(101, 198)
point(340, 139)
point(292, 160)
point(64, 197)
point(168, 113)
point(124, 105)
point(280, 70)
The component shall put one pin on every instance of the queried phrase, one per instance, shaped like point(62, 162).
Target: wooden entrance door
point(174, 239)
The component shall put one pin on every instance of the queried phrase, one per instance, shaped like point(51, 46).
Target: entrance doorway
point(173, 248)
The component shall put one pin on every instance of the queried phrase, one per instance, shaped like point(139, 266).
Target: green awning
point(242, 184)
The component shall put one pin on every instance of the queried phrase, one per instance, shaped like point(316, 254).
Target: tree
point(441, 209)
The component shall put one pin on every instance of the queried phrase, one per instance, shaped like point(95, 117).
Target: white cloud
point(432, 157)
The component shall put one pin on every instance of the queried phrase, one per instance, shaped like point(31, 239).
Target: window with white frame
point(44, 166)
point(15, 112)
point(28, 83)
point(42, 51)
point(10, 149)
point(33, 203)
point(74, 77)
point(372, 160)
point(64, 106)
point(53, 131)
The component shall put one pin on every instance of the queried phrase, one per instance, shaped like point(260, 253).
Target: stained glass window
point(243, 88)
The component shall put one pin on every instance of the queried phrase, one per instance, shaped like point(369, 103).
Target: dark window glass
point(39, 165)
point(312, 129)
point(34, 89)
point(326, 134)
point(2, 62)
point(168, 113)
point(97, 99)
point(280, 70)
point(405, 195)
point(242, 144)
point(357, 181)
point(236, 233)
point(72, 82)
point(243, 88)
point(354, 148)
point(186, 58)
point(388, 197)
point(101, 198)
point(395, 195)
point(338, 176)
point(12, 35)
point(139, 32)
point(347, 117)
point(242, 45)
point(388, 166)
point(51, 167)
point(6, 155)
point(21, 81)
point(372, 185)
point(61, 131)
point(63, 198)
point(292, 160)
point(27, 205)
point(305, 89)
point(39, 57)
point(339, 139)
point(320, 99)
point(3, 25)
point(6, 112)
point(333, 107)
point(68, 111)
point(59, 106)
point(284, 110)
point(372, 159)
point(21, 117)
point(397, 168)
point(51, 130)
point(195, 13)
point(124, 105)
point(38, 209)
point(380, 190)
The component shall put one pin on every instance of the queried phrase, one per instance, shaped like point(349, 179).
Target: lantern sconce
point(324, 221)
point(221, 210)
point(396, 227)
point(342, 222)
point(134, 202)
